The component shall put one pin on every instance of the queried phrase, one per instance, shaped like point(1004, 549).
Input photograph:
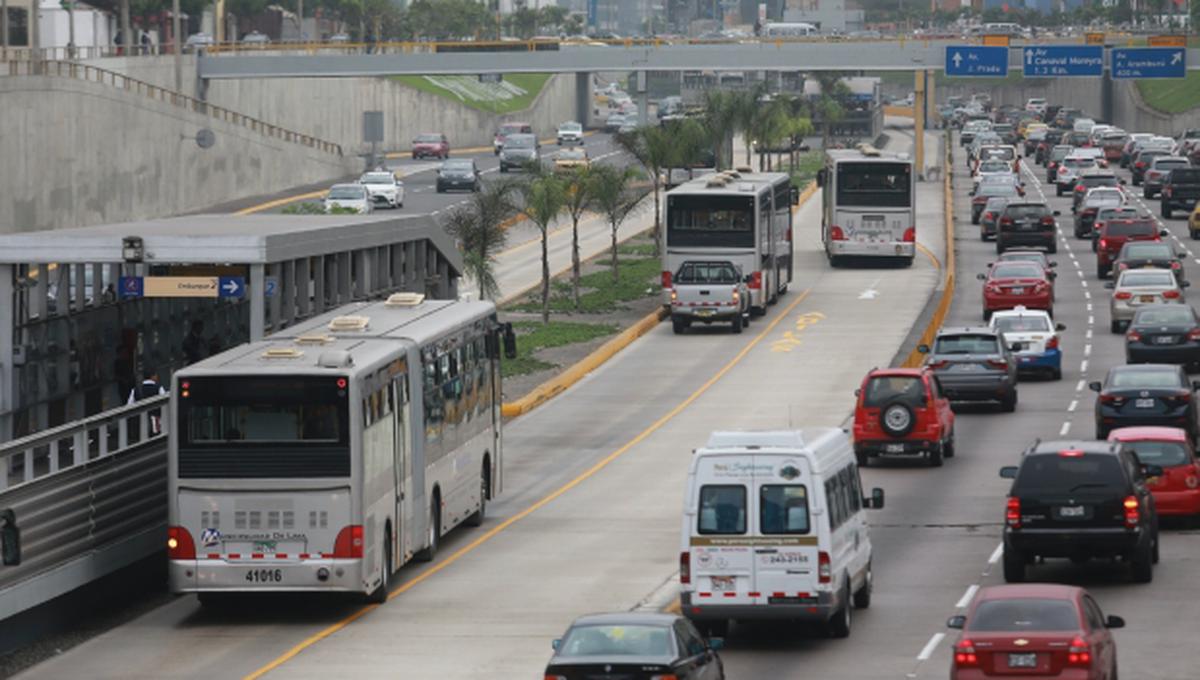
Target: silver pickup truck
point(708, 291)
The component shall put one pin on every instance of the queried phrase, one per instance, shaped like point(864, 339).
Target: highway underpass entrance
point(87, 311)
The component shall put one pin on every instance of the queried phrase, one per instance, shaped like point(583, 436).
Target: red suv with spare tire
point(901, 412)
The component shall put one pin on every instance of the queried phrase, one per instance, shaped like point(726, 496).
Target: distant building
point(830, 16)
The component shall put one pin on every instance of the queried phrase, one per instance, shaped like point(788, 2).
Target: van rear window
point(783, 509)
point(722, 509)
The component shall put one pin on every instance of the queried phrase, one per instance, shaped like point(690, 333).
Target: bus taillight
point(180, 545)
point(836, 233)
point(666, 280)
point(349, 543)
point(910, 235)
point(756, 280)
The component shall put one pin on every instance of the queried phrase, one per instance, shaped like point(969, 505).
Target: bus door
point(495, 400)
point(401, 472)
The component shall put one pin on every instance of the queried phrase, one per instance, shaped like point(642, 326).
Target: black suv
point(1027, 224)
point(1079, 500)
point(1146, 394)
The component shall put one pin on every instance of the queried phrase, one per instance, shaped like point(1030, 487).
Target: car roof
point(1050, 591)
point(1019, 312)
point(1157, 433)
point(626, 618)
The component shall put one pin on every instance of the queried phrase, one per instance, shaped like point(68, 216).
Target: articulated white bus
point(740, 217)
point(789, 30)
point(328, 455)
point(868, 205)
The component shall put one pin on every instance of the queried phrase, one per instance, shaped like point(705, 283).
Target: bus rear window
point(710, 220)
point(874, 184)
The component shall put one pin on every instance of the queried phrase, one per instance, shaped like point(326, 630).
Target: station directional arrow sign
point(976, 62)
point(231, 287)
point(1149, 62)
point(1063, 60)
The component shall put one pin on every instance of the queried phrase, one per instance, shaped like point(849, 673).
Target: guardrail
point(87, 498)
point(95, 74)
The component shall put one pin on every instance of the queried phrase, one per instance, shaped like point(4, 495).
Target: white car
point(1037, 336)
point(993, 167)
point(384, 188)
point(570, 132)
point(352, 196)
point(1036, 105)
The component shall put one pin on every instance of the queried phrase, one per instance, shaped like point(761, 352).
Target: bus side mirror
point(10, 539)
point(821, 174)
point(795, 196)
point(510, 342)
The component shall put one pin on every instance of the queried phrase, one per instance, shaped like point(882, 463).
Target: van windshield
point(783, 509)
point(722, 509)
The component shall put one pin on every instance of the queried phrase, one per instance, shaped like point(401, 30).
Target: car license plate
point(1022, 660)
point(1164, 340)
point(965, 367)
point(704, 312)
point(1017, 291)
point(894, 448)
point(1144, 403)
point(1072, 511)
point(1147, 298)
point(723, 584)
point(1025, 226)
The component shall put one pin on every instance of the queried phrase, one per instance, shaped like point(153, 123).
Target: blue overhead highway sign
point(975, 61)
point(1149, 62)
point(1063, 60)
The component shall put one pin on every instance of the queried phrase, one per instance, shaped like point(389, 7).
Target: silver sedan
point(1140, 287)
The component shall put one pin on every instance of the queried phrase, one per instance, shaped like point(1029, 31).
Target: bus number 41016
point(264, 575)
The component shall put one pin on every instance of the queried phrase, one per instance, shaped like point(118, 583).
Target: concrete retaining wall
point(78, 153)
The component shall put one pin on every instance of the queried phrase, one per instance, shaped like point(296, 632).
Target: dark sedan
point(1149, 254)
point(1145, 394)
point(459, 173)
point(634, 646)
point(1164, 334)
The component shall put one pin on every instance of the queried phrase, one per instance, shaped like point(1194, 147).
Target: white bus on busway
point(789, 30)
point(740, 217)
point(329, 454)
point(868, 205)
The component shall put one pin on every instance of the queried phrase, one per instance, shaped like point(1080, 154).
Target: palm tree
point(578, 200)
point(720, 112)
point(828, 108)
point(478, 227)
point(615, 198)
point(658, 149)
point(747, 115)
point(544, 197)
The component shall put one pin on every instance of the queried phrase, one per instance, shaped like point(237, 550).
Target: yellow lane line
point(506, 524)
point(280, 201)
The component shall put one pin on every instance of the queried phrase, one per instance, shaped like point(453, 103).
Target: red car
point(1116, 233)
point(431, 145)
point(1035, 631)
point(1009, 284)
point(1177, 492)
point(901, 412)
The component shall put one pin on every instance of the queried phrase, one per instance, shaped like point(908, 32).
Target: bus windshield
point(874, 184)
point(710, 220)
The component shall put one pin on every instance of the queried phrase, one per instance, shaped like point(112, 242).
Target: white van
point(774, 529)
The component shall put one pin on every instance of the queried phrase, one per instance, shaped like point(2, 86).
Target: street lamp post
point(69, 5)
point(178, 47)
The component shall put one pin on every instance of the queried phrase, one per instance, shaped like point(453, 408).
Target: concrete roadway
point(589, 520)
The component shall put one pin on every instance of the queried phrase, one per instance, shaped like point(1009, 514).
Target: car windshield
point(1003, 153)
point(1103, 198)
point(1022, 324)
point(1059, 153)
point(429, 139)
point(967, 344)
point(1163, 315)
point(1162, 454)
point(1058, 473)
point(994, 165)
point(378, 178)
point(1170, 163)
point(1131, 228)
point(519, 142)
point(707, 272)
point(616, 640)
point(882, 390)
point(1146, 277)
point(996, 203)
point(1113, 213)
point(1078, 162)
point(570, 127)
point(1016, 270)
point(997, 189)
point(1133, 376)
point(1185, 176)
point(1023, 211)
point(1023, 614)
point(1148, 250)
point(345, 193)
point(457, 166)
point(1099, 181)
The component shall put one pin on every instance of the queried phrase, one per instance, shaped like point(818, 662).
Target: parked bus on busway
point(739, 217)
point(868, 205)
point(789, 30)
point(331, 453)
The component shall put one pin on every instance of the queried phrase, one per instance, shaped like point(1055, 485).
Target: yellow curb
point(573, 374)
point(577, 371)
point(279, 201)
point(915, 358)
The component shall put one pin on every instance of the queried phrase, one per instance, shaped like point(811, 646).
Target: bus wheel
point(435, 530)
point(476, 518)
point(380, 594)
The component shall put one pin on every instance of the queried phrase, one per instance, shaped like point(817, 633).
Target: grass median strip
point(515, 93)
point(1172, 95)
point(533, 336)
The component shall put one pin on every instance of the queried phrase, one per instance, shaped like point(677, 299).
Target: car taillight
point(1167, 191)
point(1048, 221)
point(349, 543)
point(824, 570)
point(1171, 294)
point(1175, 264)
point(997, 364)
point(1079, 654)
point(666, 279)
point(989, 215)
point(1140, 164)
point(736, 296)
point(836, 233)
point(1123, 295)
point(756, 280)
point(685, 567)
point(1006, 220)
point(1103, 243)
point(937, 365)
point(1012, 513)
point(1079, 187)
point(1132, 511)
point(1112, 399)
point(991, 288)
point(1194, 334)
point(180, 545)
point(964, 653)
point(1133, 336)
point(910, 235)
point(1052, 342)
